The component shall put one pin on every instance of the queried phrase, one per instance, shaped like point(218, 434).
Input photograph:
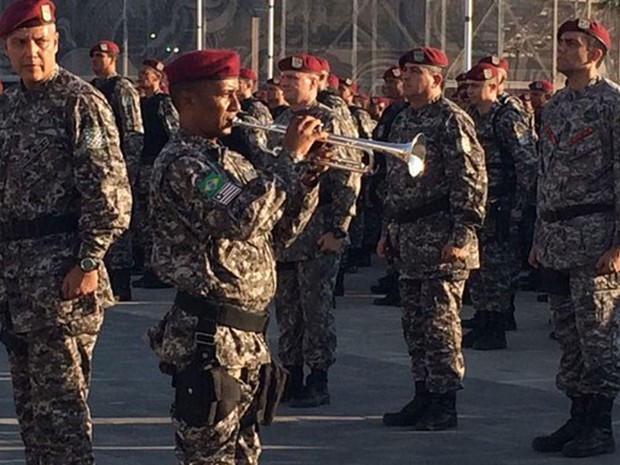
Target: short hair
point(592, 42)
point(178, 88)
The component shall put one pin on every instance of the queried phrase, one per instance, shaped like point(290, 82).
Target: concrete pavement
point(509, 395)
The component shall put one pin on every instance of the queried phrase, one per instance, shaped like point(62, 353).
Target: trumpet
point(412, 153)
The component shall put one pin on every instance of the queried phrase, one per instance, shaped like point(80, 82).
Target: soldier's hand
point(328, 243)
point(532, 259)
point(78, 283)
point(450, 254)
point(319, 156)
point(382, 246)
point(302, 132)
point(609, 262)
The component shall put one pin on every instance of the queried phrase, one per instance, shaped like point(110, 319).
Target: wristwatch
point(339, 233)
point(88, 264)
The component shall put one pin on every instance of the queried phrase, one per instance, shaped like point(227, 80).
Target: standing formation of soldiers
point(235, 220)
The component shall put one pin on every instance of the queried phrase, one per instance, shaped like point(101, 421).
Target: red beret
point(324, 64)
point(26, 13)
point(589, 27)
point(105, 46)
point(482, 72)
point(333, 81)
point(212, 64)
point(155, 64)
point(542, 85)
point(247, 73)
point(428, 56)
point(274, 82)
point(348, 82)
point(497, 62)
point(393, 72)
point(302, 63)
point(377, 100)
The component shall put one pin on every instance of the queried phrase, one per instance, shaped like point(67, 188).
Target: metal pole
point(283, 30)
point(354, 39)
point(555, 42)
point(199, 25)
point(255, 43)
point(500, 28)
point(589, 8)
point(125, 40)
point(443, 24)
point(427, 23)
point(270, 37)
point(373, 44)
point(306, 26)
point(469, 12)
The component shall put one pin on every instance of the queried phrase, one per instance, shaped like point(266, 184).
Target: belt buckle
point(204, 339)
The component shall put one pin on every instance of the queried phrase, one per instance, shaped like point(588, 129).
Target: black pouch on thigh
point(554, 282)
point(273, 378)
point(203, 397)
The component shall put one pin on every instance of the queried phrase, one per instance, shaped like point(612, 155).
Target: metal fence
point(361, 38)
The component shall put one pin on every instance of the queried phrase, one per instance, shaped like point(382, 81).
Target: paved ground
point(509, 396)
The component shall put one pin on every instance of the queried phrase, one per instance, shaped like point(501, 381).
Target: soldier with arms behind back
point(64, 198)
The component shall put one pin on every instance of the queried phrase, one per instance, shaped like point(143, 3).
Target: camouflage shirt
point(510, 152)
point(579, 172)
point(454, 179)
point(338, 191)
point(330, 99)
point(125, 102)
point(215, 222)
point(364, 122)
point(59, 157)
point(257, 109)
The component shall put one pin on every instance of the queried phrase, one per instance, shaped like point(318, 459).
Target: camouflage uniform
point(64, 194)
point(160, 122)
point(445, 205)
point(578, 185)
point(215, 221)
point(257, 109)
point(306, 276)
point(510, 153)
point(125, 103)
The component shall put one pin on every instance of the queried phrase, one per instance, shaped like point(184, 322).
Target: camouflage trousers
point(120, 253)
point(432, 330)
point(304, 312)
point(587, 325)
point(140, 224)
point(233, 440)
point(491, 286)
point(51, 369)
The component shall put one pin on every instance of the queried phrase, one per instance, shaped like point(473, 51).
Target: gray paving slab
point(509, 395)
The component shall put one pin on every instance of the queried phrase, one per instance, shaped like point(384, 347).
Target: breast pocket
point(586, 157)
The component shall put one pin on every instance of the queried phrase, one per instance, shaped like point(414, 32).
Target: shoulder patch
point(95, 138)
point(216, 187)
point(465, 144)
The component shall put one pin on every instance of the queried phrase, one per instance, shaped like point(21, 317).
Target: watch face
point(88, 264)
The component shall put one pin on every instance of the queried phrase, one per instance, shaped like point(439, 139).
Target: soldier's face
point(418, 80)
point(32, 53)
point(149, 79)
point(393, 88)
point(274, 94)
point(538, 98)
point(298, 87)
point(573, 53)
point(102, 63)
point(213, 106)
point(345, 93)
point(481, 91)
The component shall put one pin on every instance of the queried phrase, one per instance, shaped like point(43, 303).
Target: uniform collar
point(42, 86)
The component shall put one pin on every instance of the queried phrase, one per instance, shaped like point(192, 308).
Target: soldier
point(65, 197)
point(438, 215)
point(307, 269)
point(510, 154)
point(160, 122)
point(250, 104)
point(275, 97)
point(460, 96)
point(576, 242)
point(125, 102)
point(215, 222)
point(540, 93)
point(377, 106)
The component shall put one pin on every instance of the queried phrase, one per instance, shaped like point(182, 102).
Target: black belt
point(574, 211)
point(409, 216)
point(211, 314)
point(38, 227)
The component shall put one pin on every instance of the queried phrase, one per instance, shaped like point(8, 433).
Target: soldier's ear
point(437, 79)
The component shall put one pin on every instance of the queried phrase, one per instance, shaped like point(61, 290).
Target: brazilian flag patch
point(216, 187)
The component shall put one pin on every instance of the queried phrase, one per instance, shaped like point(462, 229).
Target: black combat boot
point(597, 437)
point(121, 284)
point(411, 413)
point(471, 323)
point(295, 383)
point(384, 284)
point(390, 300)
point(482, 321)
point(494, 336)
point(315, 392)
point(555, 441)
point(440, 414)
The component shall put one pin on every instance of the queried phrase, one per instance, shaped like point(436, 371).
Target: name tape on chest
point(217, 188)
